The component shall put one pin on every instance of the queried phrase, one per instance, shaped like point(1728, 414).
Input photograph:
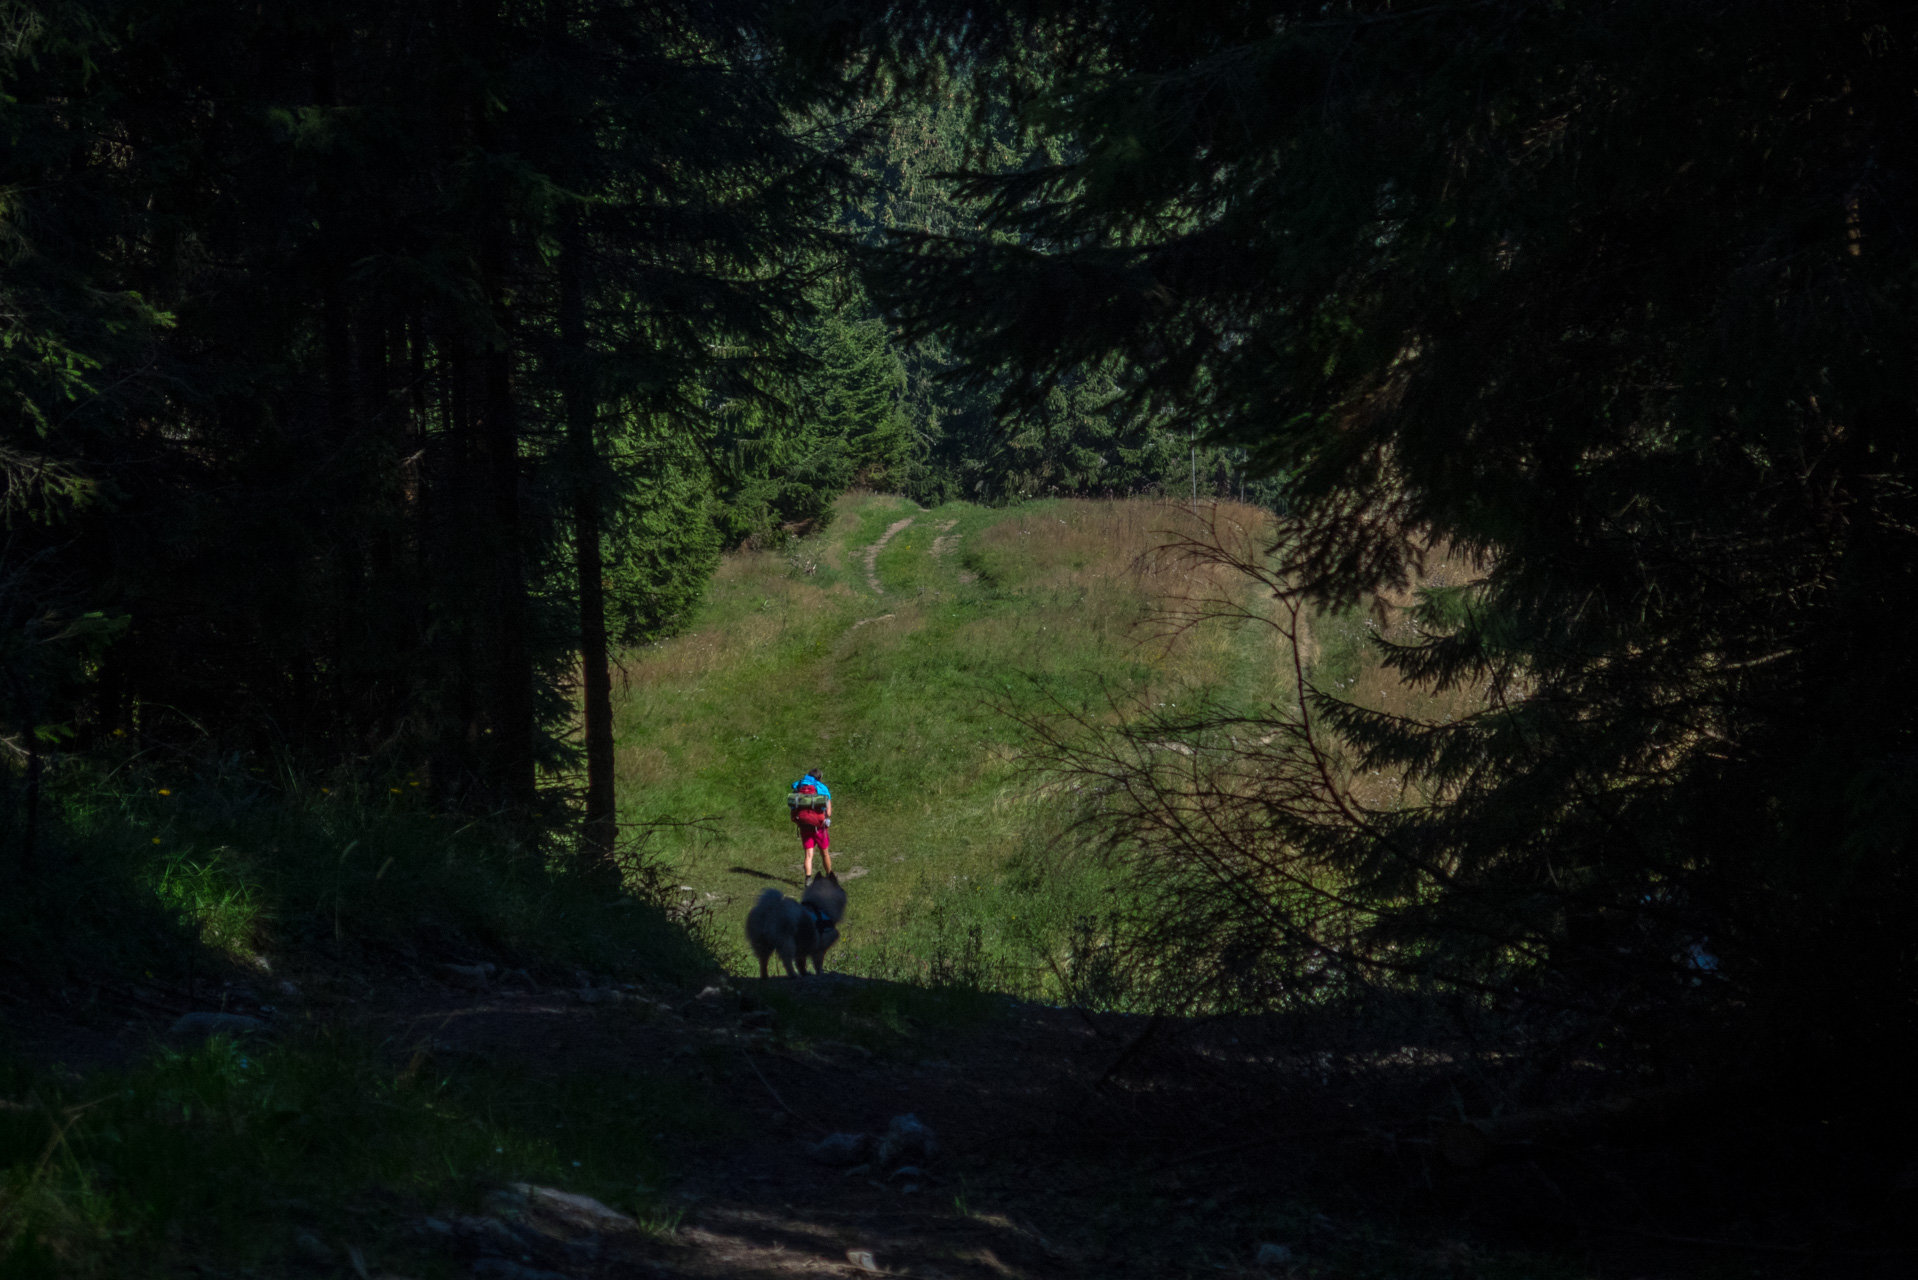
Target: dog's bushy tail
point(768, 896)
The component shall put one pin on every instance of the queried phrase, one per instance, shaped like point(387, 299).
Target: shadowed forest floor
point(1069, 1144)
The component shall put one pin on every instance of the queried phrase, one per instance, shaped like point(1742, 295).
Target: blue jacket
point(818, 786)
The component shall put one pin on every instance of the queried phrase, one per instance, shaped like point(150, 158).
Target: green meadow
point(899, 665)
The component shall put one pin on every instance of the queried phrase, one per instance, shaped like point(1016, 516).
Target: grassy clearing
point(901, 696)
point(231, 1151)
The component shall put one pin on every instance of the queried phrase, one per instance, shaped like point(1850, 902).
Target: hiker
point(811, 806)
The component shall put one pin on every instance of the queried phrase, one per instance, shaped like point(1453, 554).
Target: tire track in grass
point(872, 554)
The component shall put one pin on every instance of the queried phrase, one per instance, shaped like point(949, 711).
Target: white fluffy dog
point(798, 931)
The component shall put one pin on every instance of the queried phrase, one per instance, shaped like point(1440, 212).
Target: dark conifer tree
point(340, 342)
point(1613, 296)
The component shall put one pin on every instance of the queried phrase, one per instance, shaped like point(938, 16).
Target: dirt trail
point(872, 554)
point(755, 1203)
point(1072, 1144)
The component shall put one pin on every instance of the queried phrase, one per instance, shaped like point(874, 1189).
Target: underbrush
point(232, 1151)
point(165, 872)
point(153, 884)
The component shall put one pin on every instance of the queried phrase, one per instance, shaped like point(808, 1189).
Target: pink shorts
point(819, 838)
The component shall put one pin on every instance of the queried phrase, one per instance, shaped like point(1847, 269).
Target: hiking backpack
point(807, 806)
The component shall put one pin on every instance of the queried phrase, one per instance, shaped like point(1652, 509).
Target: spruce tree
point(337, 338)
point(1609, 297)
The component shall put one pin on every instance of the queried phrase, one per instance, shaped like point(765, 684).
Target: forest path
point(1070, 1144)
point(872, 553)
point(997, 1201)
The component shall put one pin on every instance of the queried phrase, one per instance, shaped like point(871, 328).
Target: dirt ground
point(1068, 1144)
point(992, 1202)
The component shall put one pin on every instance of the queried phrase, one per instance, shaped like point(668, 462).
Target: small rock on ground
point(207, 1024)
point(474, 977)
point(1273, 1255)
point(907, 1138)
point(312, 1248)
point(840, 1149)
point(574, 1209)
point(905, 1171)
point(502, 1269)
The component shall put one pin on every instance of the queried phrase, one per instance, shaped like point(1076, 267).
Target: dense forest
point(373, 376)
point(1613, 299)
point(368, 372)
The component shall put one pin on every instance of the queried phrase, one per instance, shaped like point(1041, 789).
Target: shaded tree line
point(1078, 439)
point(369, 371)
point(1614, 299)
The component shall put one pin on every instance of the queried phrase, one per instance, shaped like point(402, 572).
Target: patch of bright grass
point(226, 1151)
point(953, 869)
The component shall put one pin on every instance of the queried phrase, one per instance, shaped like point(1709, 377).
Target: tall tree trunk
point(29, 839)
point(460, 574)
point(512, 718)
point(600, 830)
point(345, 622)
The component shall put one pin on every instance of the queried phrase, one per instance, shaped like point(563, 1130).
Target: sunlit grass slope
point(890, 663)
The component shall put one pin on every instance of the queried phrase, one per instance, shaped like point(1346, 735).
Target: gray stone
point(1273, 1255)
point(863, 1259)
point(504, 1269)
point(575, 1210)
point(474, 977)
point(912, 1171)
point(202, 1024)
point(840, 1149)
point(489, 1232)
point(907, 1139)
point(313, 1249)
point(510, 1205)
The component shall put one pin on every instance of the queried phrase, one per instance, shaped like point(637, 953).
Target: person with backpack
point(811, 805)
